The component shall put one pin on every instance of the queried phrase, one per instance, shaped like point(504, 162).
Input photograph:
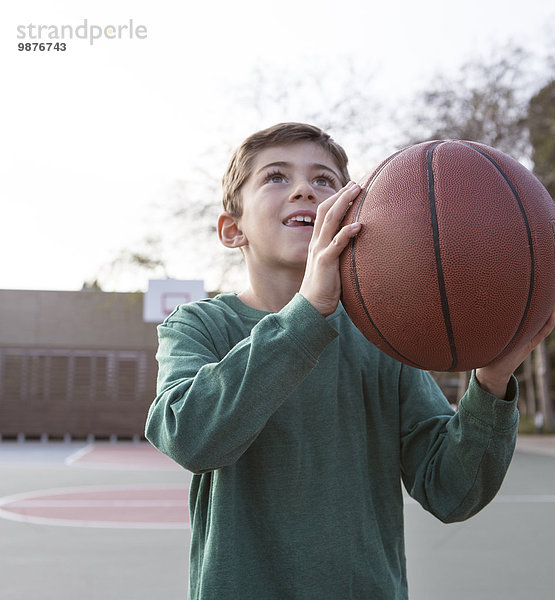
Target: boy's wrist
point(324, 310)
point(493, 383)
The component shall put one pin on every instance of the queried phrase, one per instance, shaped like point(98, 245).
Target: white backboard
point(164, 295)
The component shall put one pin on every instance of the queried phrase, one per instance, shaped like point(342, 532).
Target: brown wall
point(75, 363)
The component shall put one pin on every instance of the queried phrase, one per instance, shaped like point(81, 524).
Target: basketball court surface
point(109, 521)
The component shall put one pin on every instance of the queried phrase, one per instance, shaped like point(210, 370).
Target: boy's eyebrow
point(285, 164)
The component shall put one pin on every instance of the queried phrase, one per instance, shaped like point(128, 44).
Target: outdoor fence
point(76, 393)
point(75, 364)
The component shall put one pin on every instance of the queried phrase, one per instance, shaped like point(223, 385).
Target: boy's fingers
point(340, 241)
point(508, 363)
point(344, 236)
point(544, 331)
point(331, 212)
point(326, 205)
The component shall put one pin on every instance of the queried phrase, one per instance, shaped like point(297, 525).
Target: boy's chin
point(299, 260)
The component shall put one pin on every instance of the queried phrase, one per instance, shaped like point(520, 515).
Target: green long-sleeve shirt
point(299, 432)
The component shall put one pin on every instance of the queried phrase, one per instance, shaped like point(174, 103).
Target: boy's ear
point(229, 232)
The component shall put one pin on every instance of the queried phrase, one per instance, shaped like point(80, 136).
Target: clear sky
point(93, 136)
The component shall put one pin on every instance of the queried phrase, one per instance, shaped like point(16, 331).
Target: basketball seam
point(437, 254)
point(355, 273)
point(530, 245)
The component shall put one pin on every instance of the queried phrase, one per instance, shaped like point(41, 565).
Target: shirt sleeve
point(208, 410)
point(453, 463)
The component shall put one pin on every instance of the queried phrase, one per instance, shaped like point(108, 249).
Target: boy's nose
point(303, 190)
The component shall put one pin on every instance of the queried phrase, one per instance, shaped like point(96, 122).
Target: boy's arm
point(454, 464)
point(209, 409)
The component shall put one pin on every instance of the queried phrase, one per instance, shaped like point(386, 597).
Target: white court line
point(79, 454)
point(4, 514)
point(96, 504)
point(509, 499)
point(525, 498)
point(35, 497)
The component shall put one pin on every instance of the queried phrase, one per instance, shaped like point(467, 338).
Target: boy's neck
point(271, 294)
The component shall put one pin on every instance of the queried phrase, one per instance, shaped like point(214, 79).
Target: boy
point(298, 430)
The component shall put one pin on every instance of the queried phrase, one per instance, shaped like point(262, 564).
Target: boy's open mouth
point(299, 221)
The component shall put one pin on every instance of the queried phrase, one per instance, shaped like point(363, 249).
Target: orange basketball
point(455, 262)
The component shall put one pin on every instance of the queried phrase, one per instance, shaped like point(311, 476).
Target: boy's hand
point(495, 377)
point(321, 284)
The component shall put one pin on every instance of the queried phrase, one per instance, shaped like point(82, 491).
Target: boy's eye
point(275, 178)
point(325, 180)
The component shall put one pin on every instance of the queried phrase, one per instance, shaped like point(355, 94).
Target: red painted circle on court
point(140, 507)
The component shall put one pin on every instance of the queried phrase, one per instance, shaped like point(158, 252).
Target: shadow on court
point(109, 522)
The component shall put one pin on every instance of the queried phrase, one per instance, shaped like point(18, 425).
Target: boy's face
point(280, 197)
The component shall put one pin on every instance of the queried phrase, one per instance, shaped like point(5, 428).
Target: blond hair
point(240, 165)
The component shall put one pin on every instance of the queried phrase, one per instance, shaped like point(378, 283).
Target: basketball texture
point(455, 262)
